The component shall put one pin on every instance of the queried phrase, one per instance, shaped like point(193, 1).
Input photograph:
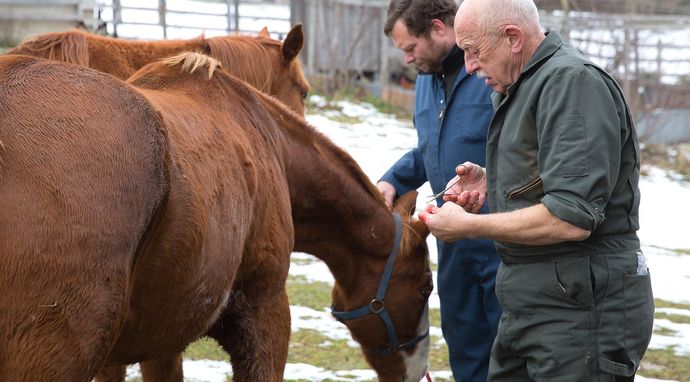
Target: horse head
point(280, 67)
point(386, 309)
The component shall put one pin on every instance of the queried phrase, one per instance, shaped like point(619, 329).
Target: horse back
point(227, 221)
point(118, 57)
point(70, 46)
point(122, 58)
point(83, 174)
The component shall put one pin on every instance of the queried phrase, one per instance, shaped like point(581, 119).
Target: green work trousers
point(572, 319)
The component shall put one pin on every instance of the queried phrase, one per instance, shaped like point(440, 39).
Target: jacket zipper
point(524, 189)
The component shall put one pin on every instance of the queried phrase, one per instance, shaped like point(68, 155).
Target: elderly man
point(561, 178)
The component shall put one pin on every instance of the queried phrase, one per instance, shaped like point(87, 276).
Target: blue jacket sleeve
point(408, 173)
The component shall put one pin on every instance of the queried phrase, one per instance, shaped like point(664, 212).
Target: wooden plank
point(34, 3)
point(41, 18)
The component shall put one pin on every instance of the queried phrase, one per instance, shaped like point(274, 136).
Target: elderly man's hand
point(448, 223)
point(468, 188)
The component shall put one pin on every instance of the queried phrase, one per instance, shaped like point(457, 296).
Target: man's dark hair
point(417, 15)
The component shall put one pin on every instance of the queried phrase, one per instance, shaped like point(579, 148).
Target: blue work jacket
point(450, 132)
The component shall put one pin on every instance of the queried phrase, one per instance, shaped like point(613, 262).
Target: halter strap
point(377, 305)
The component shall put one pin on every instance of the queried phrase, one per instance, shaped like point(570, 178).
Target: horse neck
point(335, 218)
point(337, 212)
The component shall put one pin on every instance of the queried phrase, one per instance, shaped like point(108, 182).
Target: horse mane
point(189, 62)
point(70, 46)
point(255, 67)
point(350, 164)
point(298, 128)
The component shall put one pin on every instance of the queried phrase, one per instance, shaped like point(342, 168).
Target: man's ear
point(438, 26)
point(516, 38)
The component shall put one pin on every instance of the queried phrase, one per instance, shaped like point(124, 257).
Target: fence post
point(659, 48)
point(383, 72)
point(117, 16)
point(237, 16)
point(630, 32)
point(161, 18)
point(565, 23)
point(311, 37)
point(228, 15)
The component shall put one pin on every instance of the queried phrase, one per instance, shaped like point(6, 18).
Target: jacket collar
point(453, 60)
point(546, 49)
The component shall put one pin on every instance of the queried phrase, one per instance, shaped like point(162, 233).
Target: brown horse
point(139, 217)
point(267, 64)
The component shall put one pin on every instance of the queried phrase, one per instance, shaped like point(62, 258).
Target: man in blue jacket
point(452, 114)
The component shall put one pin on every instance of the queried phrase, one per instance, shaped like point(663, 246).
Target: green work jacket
point(564, 136)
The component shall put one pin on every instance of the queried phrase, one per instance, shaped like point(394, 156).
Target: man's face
point(424, 52)
point(488, 55)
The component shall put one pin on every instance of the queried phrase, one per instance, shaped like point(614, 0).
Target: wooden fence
point(20, 18)
point(162, 19)
point(343, 35)
point(347, 36)
point(648, 54)
point(345, 40)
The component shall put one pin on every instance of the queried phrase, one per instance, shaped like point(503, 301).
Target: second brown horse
point(267, 64)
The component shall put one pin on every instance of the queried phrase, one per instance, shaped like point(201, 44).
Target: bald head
point(499, 37)
point(486, 15)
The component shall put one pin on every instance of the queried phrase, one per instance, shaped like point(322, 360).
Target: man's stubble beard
point(435, 66)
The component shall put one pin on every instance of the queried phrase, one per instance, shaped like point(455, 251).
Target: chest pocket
point(525, 195)
point(470, 122)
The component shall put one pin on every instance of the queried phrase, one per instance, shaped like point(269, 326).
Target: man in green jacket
point(561, 176)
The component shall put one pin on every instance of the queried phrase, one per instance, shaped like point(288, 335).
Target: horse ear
point(405, 204)
point(264, 33)
point(293, 43)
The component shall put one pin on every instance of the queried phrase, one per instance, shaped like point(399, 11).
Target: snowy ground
point(379, 140)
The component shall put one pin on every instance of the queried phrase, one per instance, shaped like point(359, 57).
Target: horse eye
point(425, 292)
point(305, 95)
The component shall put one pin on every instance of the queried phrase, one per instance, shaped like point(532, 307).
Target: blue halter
point(377, 306)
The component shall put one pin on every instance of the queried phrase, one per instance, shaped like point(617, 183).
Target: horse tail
point(71, 46)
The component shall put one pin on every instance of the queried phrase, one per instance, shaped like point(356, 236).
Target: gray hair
point(522, 13)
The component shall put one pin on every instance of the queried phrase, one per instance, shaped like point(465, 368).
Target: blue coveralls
point(450, 132)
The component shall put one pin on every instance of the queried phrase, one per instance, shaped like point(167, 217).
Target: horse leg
point(162, 369)
point(255, 331)
point(112, 374)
